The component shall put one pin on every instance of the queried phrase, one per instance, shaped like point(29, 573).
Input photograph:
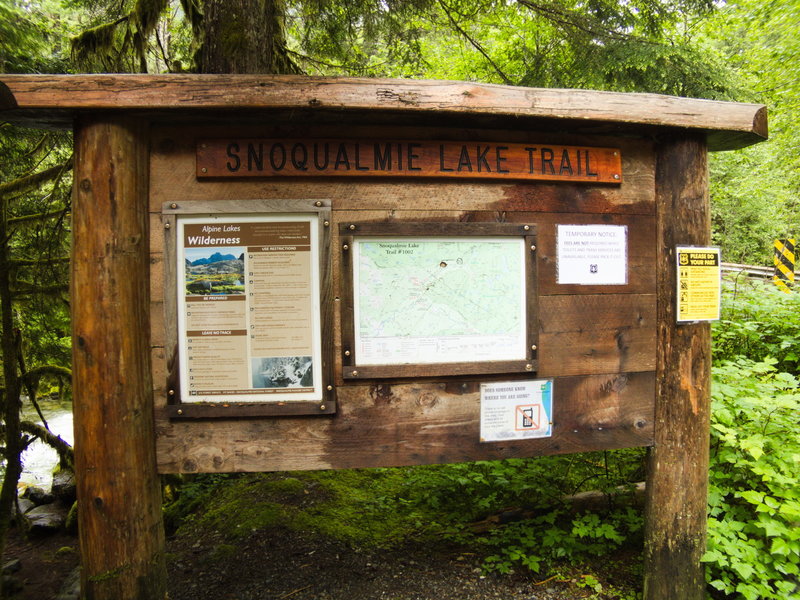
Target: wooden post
point(677, 480)
point(119, 498)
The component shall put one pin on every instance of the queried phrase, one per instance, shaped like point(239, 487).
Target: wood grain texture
point(173, 164)
point(590, 331)
point(596, 334)
point(677, 480)
point(416, 423)
point(735, 125)
point(119, 494)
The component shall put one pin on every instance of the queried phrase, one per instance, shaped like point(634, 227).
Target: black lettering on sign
point(463, 161)
point(233, 153)
point(546, 156)
point(321, 166)
point(442, 168)
point(255, 158)
point(301, 163)
point(383, 160)
point(359, 166)
point(566, 165)
point(530, 152)
point(588, 168)
point(500, 158)
point(342, 157)
point(481, 158)
point(278, 151)
point(412, 156)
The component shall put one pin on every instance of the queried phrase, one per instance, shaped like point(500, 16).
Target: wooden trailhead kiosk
point(280, 273)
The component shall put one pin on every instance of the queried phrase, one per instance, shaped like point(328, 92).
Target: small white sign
point(516, 410)
point(592, 254)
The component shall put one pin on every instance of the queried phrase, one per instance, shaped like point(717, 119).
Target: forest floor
point(282, 564)
point(292, 538)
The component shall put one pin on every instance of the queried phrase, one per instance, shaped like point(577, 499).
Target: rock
point(47, 518)
point(12, 566)
point(38, 496)
point(24, 505)
point(71, 588)
point(63, 487)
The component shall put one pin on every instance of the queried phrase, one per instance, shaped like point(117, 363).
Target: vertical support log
point(677, 481)
point(119, 498)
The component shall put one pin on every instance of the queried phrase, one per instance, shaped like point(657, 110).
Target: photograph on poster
point(283, 372)
point(214, 271)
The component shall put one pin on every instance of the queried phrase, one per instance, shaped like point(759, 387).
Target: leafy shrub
point(754, 497)
point(759, 321)
point(537, 485)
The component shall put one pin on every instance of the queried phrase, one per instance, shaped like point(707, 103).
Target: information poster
point(516, 410)
point(439, 300)
point(248, 308)
point(592, 254)
point(699, 283)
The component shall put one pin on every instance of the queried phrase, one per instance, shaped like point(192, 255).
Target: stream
point(39, 459)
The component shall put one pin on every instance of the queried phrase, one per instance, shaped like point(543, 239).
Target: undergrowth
point(754, 496)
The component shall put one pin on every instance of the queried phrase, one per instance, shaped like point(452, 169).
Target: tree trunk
point(677, 478)
point(12, 404)
point(119, 495)
point(244, 36)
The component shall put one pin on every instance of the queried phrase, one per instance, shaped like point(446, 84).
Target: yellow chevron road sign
point(783, 258)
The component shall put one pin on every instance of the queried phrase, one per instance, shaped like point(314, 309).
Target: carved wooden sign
point(404, 158)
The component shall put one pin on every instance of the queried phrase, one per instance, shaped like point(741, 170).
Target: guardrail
point(752, 271)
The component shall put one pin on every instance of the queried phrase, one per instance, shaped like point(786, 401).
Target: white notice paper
point(516, 410)
point(592, 254)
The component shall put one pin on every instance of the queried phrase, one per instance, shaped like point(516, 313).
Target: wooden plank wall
point(597, 342)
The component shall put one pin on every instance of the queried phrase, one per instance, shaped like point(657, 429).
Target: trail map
point(433, 300)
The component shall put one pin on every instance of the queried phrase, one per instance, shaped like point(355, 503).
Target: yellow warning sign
point(783, 257)
point(698, 284)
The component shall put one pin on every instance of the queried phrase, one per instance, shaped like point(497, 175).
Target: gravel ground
point(285, 564)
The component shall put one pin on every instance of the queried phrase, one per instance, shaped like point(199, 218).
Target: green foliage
point(760, 322)
point(754, 491)
point(755, 191)
point(33, 36)
point(641, 46)
point(754, 496)
point(559, 536)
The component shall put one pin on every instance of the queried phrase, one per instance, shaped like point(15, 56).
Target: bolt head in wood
point(345, 247)
point(329, 388)
point(167, 225)
point(529, 367)
point(527, 227)
point(533, 247)
point(204, 170)
point(347, 352)
point(173, 205)
point(352, 227)
point(180, 411)
point(534, 347)
point(326, 223)
point(317, 203)
point(322, 407)
point(171, 392)
point(355, 373)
